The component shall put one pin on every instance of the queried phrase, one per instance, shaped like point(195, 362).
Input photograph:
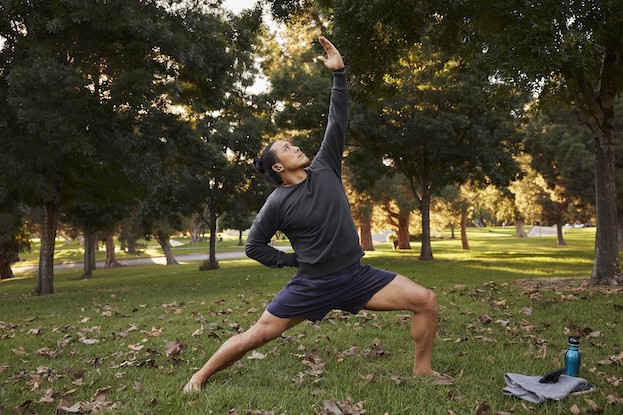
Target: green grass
point(507, 305)
point(72, 251)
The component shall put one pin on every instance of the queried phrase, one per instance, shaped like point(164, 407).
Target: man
point(310, 207)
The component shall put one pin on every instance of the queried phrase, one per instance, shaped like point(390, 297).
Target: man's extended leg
point(267, 328)
point(404, 294)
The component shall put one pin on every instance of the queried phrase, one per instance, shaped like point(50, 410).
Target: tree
point(79, 78)
point(245, 205)
point(444, 123)
point(13, 240)
point(561, 152)
point(571, 51)
point(525, 195)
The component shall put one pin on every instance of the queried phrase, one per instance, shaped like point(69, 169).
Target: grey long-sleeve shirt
point(314, 214)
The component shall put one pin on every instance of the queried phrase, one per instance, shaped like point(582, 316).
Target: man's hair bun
point(257, 164)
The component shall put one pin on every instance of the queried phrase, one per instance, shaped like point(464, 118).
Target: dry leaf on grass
point(483, 409)
point(174, 347)
point(85, 340)
point(256, 355)
point(367, 378)
point(19, 352)
point(345, 407)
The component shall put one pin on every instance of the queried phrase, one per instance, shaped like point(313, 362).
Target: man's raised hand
point(333, 60)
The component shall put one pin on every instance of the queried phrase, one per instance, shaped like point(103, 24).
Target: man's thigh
point(400, 294)
point(271, 326)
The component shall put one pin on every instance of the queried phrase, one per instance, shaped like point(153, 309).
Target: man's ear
point(278, 167)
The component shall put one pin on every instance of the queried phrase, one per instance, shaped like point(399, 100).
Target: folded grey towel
point(529, 388)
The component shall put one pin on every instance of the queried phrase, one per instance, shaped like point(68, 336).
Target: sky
point(238, 5)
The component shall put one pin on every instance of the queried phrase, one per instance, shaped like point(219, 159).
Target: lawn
point(128, 339)
point(68, 251)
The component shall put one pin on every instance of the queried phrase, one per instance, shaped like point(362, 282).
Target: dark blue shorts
point(313, 298)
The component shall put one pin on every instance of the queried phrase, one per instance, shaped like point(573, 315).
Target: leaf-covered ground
point(126, 341)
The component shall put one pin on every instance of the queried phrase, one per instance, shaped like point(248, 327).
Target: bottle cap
point(574, 340)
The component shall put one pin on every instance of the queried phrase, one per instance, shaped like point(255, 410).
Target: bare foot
point(193, 385)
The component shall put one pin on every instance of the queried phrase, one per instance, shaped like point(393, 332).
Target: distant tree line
point(133, 119)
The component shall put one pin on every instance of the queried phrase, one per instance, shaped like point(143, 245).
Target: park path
point(161, 260)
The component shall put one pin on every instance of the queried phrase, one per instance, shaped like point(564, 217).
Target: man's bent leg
point(404, 294)
point(267, 328)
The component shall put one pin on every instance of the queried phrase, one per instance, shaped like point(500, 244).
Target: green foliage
point(103, 104)
point(561, 150)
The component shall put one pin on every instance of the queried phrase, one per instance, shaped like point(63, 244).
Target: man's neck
point(294, 177)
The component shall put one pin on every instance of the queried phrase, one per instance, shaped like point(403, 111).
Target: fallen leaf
point(485, 319)
point(397, 379)
point(48, 397)
point(299, 378)
point(483, 409)
point(100, 394)
point(614, 399)
point(331, 408)
point(19, 352)
point(256, 355)
point(592, 404)
point(174, 347)
point(367, 378)
point(345, 407)
point(85, 340)
point(154, 332)
point(574, 409)
point(376, 350)
point(46, 351)
point(35, 331)
point(444, 380)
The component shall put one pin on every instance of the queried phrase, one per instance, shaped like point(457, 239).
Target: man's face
point(289, 157)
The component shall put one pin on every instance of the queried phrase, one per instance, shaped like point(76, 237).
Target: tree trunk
point(8, 255)
point(111, 259)
point(365, 233)
point(211, 263)
point(426, 252)
point(403, 231)
point(5, 269)
point(197, 225)
point(606, 269)
point(131, 246)
point(620, 235)
point(452, 235)
point(561, 239)
point(464, 242)
point(90, 242)
point(165, 243)
point(45, 276)
point(519, 229)
point(597, 107)
point(240, 243)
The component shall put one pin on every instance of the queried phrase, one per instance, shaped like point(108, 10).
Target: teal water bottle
point(572, 357)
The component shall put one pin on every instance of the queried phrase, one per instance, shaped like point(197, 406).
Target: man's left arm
point(330, 153)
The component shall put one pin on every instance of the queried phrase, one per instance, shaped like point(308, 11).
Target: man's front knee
point(428, 303)
point(433, 302)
